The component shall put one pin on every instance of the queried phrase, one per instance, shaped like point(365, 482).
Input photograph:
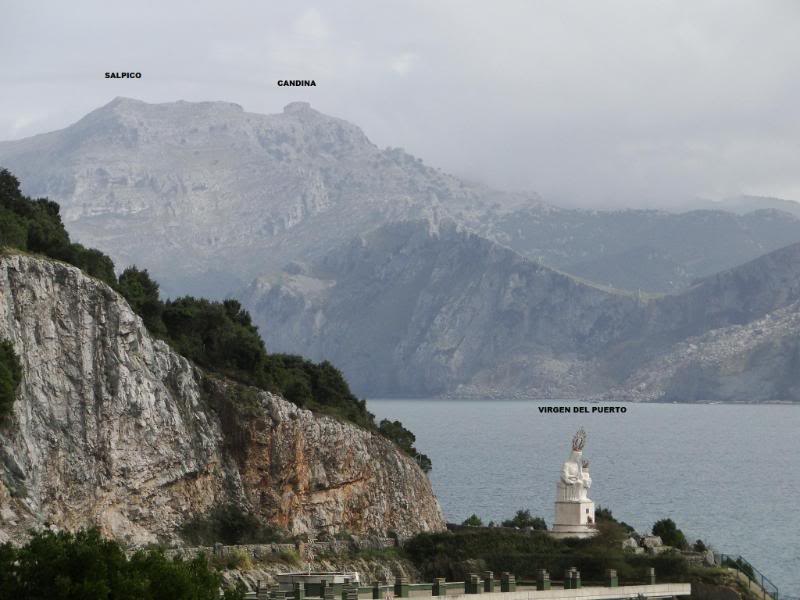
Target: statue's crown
point(579, 440)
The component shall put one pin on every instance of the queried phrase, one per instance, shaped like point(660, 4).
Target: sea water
point(728, 474)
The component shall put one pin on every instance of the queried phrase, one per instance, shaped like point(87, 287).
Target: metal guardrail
point(768, 589)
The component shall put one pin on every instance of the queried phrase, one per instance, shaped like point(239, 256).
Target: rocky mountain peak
point(297, 107)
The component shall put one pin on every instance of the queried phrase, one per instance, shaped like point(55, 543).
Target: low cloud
point(612, 103)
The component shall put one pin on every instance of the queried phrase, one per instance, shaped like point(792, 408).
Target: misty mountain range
point(415, 282)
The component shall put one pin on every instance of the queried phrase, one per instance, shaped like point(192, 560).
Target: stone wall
point(305, 550)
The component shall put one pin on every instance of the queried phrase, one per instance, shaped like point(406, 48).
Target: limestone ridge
point(222, 195)
point(209, 196)
point(113, 428)
point(734, 336)
point(416, 309)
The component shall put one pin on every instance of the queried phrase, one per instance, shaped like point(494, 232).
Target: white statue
point(575, 480)
point(574, 510)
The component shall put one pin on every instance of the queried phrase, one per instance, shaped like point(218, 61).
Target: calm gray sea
point(728, 474)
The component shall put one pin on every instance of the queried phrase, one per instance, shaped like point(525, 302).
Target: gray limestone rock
point(112, 428)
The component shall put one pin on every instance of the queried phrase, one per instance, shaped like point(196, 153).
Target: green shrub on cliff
point(10, 376)
point(65, 566)
point(36, 226)
point(670, 534)
point(142, 293)
point(401, 436)
point(221, 337)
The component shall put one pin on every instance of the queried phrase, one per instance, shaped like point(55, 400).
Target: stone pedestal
point(574, 519)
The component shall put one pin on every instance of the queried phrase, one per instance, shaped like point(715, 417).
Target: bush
point(10, 376)
point(523, 520)
point(401, 436)
point(473, 521)
point(229, 525)
point(604, 514)
point(65, 566)
point(236, 559)
point(141, 292)
point(670, 534)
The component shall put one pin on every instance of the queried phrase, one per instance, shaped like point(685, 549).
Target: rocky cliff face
point(423, 309)
point(731, 337)
point(417, 309)
point(111, 427)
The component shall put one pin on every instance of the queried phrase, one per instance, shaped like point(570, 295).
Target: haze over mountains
point(209, 196)
point(413, 281)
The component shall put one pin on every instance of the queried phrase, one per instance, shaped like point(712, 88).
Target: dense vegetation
point(602, 514)
point(35, 226)
point(401, 436)
point(455, 554)
point(219, 336)
point(524, 520)
point(521, 520)
point(10, 375)
point(85, 566)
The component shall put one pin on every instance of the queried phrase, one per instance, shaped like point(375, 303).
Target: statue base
point(574, 519)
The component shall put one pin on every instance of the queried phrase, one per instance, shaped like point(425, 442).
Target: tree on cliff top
point(523, 519)
point(36, 226)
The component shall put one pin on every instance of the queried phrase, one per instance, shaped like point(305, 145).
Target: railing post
point(611, 578)
point(401, 587)
point(439, 588)
point(474, 586)
point(262, 593)
point(568, 579)
point(488, 581)
point(542, 580)
point(651, 575)
point(508, 583)
point(299, 590)
point(576, 579)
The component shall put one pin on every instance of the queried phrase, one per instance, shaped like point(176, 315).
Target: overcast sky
point(595, 102)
